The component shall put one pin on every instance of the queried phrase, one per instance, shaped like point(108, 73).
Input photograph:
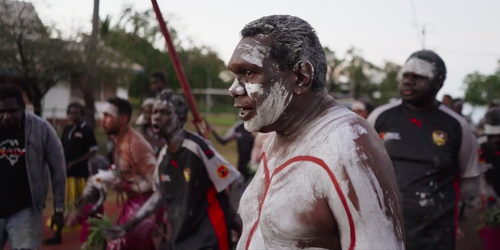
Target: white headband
point(358, 106)
point(492, 130)
point(419, 67)
point(110, 109)
point(149, 101)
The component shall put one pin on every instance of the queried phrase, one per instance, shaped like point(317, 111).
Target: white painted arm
point(146, 210)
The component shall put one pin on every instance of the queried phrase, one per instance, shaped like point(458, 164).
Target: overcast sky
point(465, 33)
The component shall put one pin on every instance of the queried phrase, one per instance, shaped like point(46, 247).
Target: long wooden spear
point(179, 71)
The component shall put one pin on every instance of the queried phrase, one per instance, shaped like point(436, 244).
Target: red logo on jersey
point(382, 135)
point(222, 171)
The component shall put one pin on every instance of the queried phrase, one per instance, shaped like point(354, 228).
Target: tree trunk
point(88, 87)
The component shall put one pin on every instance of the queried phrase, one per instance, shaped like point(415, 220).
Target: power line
point(415, 21)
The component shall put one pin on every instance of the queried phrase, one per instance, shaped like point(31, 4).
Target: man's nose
point(237, 89)
point(408, 81)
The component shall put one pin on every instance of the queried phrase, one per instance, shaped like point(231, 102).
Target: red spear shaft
point(179, 71)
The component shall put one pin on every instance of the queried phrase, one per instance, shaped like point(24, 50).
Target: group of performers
point(326, 178)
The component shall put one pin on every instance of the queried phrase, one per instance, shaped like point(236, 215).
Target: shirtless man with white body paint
point(324, 181)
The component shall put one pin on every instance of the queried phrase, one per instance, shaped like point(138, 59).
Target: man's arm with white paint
point(362, 192)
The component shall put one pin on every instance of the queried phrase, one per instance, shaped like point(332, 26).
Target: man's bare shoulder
point(137, 141)
point(341, 136)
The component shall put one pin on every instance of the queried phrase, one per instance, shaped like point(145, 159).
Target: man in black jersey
point(434, 153)
point(191, 179)
point(244, 141)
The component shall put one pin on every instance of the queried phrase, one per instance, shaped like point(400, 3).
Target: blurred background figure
point(447, 100)
point(490, 157)
point(244, 145)
point(362, 107)
point(145, 126)
point(79, 144)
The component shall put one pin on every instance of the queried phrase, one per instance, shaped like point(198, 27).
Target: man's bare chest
point(283, 205)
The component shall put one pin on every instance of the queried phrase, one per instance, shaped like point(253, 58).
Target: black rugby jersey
point(430, 151)
point(192, 183)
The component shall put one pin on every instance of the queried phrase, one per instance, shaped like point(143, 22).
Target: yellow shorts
point(74, 191)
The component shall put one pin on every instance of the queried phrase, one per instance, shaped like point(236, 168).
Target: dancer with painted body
point(135, 162)
point(324, 180)
point(190, 180)
point(434, 153)
point(145, 127)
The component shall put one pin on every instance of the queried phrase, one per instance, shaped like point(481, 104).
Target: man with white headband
point(135, 160)
point(324, 180)
point(190, 180)
point(433, 151)
point(362, 107)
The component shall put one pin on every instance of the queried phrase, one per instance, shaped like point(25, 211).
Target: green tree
point(388, 88)
point(30, 52)
point(481, 89)
point(362, 74)
point(135, 35)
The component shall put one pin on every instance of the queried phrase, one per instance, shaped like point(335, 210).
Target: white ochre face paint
point(110, 109)
point(419, 67)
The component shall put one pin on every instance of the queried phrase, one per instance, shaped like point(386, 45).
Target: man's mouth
point(246, 113)
point(407, 92)
point(156, 128)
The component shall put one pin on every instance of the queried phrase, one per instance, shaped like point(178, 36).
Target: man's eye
point(248, 74)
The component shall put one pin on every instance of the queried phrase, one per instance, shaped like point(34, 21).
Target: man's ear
point(439, 83)
point(304, 71)
point(124, 119)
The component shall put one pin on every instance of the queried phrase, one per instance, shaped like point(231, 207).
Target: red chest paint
point(305, 158)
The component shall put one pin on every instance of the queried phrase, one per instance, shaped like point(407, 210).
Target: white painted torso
point(295, 189)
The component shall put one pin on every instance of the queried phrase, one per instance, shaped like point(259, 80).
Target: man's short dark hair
point(293, 40)
point(160, 76)
point(124, 106)
point(8, 91)
point(434, 59)
point(369, 107)
point(76, 105)
point(448, 96)
point(180, 105)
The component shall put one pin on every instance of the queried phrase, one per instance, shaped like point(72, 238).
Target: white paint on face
point(254, 89)
point(254, 54)
point(236, 89)
point(271, 109)
point(110, 109)
point(419, 67)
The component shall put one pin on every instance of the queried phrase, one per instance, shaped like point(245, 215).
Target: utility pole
point(424, 28)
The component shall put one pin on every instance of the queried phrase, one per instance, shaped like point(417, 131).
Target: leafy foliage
point(96, 239)
point(482, 89)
